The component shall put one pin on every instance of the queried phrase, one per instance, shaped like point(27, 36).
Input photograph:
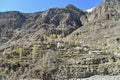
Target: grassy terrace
point(27, 62)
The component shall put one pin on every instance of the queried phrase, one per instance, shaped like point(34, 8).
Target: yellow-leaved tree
point(19, 50)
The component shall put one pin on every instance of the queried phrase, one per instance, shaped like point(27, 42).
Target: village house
point(96, 52)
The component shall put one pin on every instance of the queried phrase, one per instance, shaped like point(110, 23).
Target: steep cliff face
point(101, 27)
point(108, 10)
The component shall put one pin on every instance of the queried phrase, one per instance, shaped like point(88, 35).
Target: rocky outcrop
point(108, 10)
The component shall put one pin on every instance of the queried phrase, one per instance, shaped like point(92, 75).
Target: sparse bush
point(33, 52)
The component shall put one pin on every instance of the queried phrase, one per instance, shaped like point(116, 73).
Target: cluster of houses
point(79, 49)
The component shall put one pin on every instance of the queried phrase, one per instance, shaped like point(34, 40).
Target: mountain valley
point(60, 43)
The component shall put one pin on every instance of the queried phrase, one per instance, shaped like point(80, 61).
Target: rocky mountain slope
point(15, 26)
point(101, 27)
point(98, 29)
